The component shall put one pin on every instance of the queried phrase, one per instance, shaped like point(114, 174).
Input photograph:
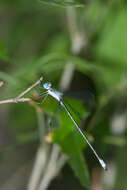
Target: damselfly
point(59, 97)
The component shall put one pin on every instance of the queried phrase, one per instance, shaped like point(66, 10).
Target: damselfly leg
point(41, 94)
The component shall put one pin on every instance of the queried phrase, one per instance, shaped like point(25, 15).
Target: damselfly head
point(47, 85)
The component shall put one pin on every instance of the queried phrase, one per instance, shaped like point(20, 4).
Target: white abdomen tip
point(103, 164)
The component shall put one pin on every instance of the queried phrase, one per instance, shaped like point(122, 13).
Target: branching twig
point(19, 98)
point(16, 100)
point(32, 86)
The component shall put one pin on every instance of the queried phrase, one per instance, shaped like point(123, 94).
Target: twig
point(19, 98)
point(16, 100)
point(32, 86)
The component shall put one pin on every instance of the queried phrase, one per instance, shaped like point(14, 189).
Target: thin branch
point(19, 98)
point(16, 100)
point(32, 86)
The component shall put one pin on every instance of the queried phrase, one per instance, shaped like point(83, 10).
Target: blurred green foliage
point(35, 41)
point(80, 3)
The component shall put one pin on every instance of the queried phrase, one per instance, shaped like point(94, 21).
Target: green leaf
point(59, 44)
point(114, 140)
point(67, 135)
point(52, 62)
point(23, 138)
point(112, 46)
point(8, 78)
point(78, 164)
point(113, 41)
point(70, 140)
point(120, 178)
point(73, 3)
point(3, 53)
point(26, 124)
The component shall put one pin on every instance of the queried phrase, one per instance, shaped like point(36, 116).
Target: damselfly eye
point(47, 85)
